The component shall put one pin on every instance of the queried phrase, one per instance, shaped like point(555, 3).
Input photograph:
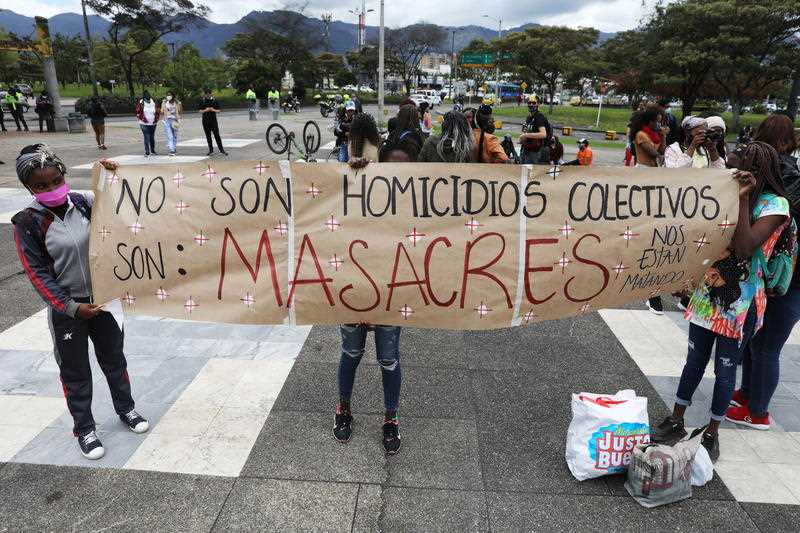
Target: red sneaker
point(742, 416)
point(739, 399)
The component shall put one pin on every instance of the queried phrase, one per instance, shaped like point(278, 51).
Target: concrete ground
point(242, 416)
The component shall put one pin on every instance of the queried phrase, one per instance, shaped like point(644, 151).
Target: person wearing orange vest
point(584, 153)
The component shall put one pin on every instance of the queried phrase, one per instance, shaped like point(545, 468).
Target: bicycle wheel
point(312, 137)
point(277, 138)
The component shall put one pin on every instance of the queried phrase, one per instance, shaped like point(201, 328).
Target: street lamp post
point(452, 62)
point(381, 111)
point(496, 61)
point(361, 36)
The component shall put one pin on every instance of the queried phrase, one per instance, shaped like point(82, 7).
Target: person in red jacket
point(147, 112)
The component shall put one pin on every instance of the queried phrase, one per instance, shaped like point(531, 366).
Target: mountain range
point(342, 35)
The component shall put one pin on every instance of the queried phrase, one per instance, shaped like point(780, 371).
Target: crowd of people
point(742, 312)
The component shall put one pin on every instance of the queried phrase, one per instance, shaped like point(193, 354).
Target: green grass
point(615, 119)
point(75, 90)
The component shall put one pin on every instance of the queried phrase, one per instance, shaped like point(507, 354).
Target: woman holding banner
point(761, 361)
point(52, 240)
point(399, 148)
point(728, 306)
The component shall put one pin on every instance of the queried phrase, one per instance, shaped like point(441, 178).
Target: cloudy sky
point(606, 15)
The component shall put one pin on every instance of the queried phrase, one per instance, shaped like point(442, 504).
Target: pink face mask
point(53, 198)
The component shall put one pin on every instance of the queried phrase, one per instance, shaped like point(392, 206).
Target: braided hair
point(762, 161)
point(36, 156)
point(363, 128)
point(403, 141)
point(456, 138)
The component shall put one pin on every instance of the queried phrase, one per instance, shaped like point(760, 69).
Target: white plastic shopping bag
point(702, 468)
point(604, 431)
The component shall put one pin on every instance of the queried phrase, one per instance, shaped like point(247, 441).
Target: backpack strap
point(80, 203)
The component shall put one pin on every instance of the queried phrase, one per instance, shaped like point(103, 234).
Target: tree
point(364, 64)
point(329, 67)
point(621, 62)
point(407, 46)
point(548, 54)
point(9, 63)
point(71, 59)
point(270, 46)
point(755, 47)
point(147, 21)
point(188, 73)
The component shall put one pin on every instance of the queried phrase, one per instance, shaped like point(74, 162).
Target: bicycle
point(279, 141)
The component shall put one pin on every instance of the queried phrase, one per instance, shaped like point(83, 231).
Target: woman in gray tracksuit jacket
point(52, 240)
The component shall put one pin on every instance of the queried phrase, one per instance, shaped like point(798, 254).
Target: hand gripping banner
point(425, 245)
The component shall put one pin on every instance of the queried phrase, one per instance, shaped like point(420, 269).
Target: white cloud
point(606, 15)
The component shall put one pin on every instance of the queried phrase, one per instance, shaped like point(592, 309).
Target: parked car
point(418, 98)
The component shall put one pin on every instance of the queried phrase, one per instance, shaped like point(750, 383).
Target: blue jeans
point(727, 356)
point(172, 134)
point(149, 132)
point(761, 362)
point(343, 156)
point(387, 347)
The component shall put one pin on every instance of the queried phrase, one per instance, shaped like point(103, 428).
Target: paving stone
point(713, 490)
point(273, 504)
point(437, 453)
point(368, 509)
point(424, 510)
point(49, 498)
point(426, 391)
point(294, 445)
point(556, 512)
point(773, 517)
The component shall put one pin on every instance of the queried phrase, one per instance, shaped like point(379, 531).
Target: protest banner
point(425, 245)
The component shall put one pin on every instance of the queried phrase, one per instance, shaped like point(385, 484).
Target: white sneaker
point(135, 422)
point(91, 447)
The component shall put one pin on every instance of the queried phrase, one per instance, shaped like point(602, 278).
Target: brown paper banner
point(425, 245)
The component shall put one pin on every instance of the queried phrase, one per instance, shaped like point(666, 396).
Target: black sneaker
point(91, 447)
point(391, 437)
point(343, 425)
point(210, 152)
point(223, 152)
point(135, 422)
point(655, 306)
point(670, 431)
point(711, 444)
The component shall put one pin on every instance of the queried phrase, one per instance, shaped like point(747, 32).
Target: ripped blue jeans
point(727, 356)
point(387, 348)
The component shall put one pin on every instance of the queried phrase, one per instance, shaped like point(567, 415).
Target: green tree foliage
point(406, 46)
point(755, 45)
point(71, 59)
point(9, 63)
point(620, 60)
point(138, 25)
point(365, 65)
point(548, 54)
point(188, 73)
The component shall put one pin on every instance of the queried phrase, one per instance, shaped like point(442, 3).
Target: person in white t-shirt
point(147, 113)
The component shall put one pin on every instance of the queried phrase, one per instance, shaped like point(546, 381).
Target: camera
point(714, 136)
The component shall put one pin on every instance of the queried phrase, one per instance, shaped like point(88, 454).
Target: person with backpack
point(44, 108)
point(535, 138)
point(52, 241)
point(97, 118)
point(761, 361)
point(728, 306)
